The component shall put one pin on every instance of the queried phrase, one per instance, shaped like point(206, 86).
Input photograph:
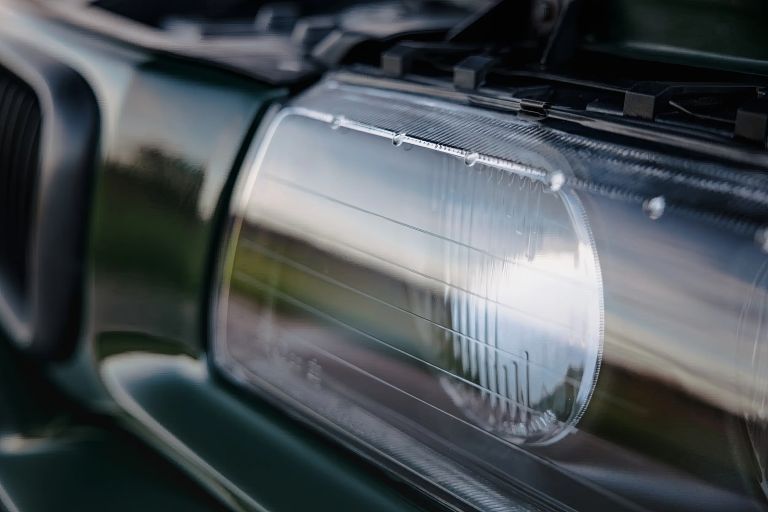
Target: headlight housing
point(439, 286)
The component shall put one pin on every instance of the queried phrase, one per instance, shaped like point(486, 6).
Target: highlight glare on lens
point(470, 288)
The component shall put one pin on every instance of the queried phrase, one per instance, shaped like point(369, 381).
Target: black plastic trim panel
point(44, 316)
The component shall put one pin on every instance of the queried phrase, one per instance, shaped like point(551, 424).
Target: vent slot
point(20, 124)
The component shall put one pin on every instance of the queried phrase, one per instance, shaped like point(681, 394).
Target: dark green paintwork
point(53, 456)
point(159, 200)
point(173, 134)
point(178, 138)
point(263, 455)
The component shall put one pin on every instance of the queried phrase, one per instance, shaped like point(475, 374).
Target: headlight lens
point(422, 280)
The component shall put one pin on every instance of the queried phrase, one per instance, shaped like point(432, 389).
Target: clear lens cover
point(426, 282)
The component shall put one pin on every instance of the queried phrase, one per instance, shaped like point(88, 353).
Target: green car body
point(135, 417)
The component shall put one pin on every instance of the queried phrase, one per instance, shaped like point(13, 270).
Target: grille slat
point(20, 121)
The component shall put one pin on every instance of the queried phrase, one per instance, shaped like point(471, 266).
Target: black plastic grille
point(20, 124)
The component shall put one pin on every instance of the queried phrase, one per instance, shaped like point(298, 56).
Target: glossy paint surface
point(157, 196)
point(54, 455)
point(154, 233)
point(151, 264)
point(173, 135)
point(264, 460)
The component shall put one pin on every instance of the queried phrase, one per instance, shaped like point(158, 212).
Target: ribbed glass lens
point(427, 283)
point(481, 284)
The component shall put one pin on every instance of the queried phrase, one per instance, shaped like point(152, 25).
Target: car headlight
point(439, 287)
